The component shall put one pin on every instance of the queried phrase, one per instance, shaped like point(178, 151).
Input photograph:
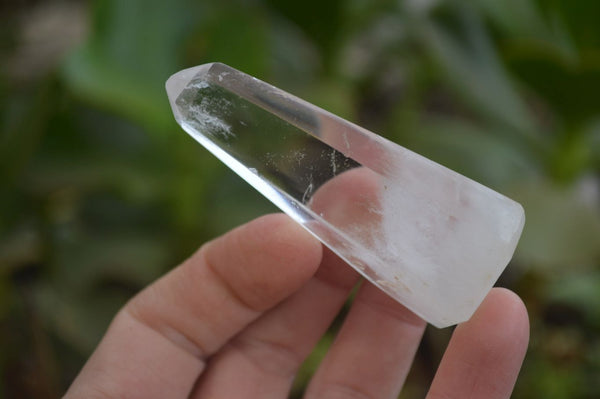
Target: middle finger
point(373, 351)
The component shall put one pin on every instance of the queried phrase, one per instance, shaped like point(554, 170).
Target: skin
point(237, 319)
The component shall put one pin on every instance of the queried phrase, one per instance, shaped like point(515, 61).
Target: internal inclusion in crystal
point(434, 240)
point(293, 162)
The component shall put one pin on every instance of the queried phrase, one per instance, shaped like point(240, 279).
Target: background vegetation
point(101, 192)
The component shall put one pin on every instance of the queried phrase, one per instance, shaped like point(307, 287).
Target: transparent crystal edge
point(177, 82)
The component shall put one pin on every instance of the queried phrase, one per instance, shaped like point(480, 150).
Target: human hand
point(237, 319)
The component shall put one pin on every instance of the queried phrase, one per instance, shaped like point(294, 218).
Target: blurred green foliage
point(101, 192)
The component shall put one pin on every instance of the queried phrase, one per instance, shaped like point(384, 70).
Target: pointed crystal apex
point(178, 81)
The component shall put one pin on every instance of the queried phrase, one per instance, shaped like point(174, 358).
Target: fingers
point(373, 351)
point(485, 353)
point(157, 345)
point(349, 199)
point(264, 358)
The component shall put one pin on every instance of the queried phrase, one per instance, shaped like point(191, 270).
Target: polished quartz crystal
point(432, 239)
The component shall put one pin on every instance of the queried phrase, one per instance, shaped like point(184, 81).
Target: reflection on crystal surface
point(429, 237)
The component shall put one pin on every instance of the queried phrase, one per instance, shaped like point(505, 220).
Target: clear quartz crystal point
point(432, 239)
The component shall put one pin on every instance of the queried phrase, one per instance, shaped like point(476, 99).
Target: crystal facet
point(432, 239)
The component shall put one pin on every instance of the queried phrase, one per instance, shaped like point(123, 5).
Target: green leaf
point(320, 20)
point(579, 290)
point(579, 17)
point(79, 321)
point(562, 228)
point(553, 48)
point(469, 62)
point(237, 35)
point(524, 19)
point(132, 49)
point(473, 151)
point(135, 259)
point(570, 87)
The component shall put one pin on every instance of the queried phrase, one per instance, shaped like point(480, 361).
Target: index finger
point(157, 345)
